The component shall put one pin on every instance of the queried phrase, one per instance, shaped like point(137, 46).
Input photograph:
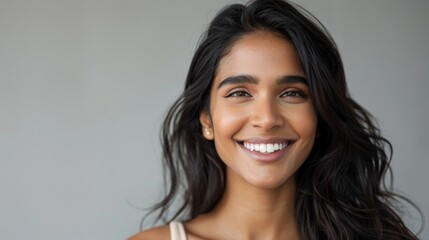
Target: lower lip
point(266, 157)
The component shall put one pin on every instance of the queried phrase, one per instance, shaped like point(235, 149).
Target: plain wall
point(84, 86)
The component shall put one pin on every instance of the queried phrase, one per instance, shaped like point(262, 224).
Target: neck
point(258, 213)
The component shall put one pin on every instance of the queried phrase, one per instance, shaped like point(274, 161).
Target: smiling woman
point(266, 141)
point(270, 105)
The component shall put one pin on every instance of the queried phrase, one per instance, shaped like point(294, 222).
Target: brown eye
point(294, 93)
point(238, 93)
point(293, 96)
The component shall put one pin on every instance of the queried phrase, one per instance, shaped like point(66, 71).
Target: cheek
point(305, 124)
point(227, 120)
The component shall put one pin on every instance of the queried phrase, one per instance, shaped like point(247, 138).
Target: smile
point(265, 147)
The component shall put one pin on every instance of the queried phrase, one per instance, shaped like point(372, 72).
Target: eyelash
point(296, 93)
point(242, 93)
point(238, 93)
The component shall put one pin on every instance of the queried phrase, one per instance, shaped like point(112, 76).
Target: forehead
point(261, 54)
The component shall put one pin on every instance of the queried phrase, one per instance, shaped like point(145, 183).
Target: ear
point(207, 125)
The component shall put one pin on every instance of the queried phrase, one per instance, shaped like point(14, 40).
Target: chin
point(271, 183)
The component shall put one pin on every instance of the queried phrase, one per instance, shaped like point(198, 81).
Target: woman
point(265, 141)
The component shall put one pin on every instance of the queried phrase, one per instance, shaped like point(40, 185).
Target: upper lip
point(265, 140)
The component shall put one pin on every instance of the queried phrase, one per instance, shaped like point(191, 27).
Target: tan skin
point(267, 107)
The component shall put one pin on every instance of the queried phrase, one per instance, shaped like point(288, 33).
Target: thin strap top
point(177, 231)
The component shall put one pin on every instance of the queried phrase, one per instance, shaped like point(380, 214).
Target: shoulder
point(157, 233)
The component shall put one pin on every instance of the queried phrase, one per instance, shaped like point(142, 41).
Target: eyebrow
point(292, 79)
point(254, 80)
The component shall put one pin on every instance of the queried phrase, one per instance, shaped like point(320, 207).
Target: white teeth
point(265, 148)
point(270, 148)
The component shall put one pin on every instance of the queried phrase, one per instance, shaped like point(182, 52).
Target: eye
point(294, 95)
point(238, 93)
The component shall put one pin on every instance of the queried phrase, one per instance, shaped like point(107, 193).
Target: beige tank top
point(177, 231)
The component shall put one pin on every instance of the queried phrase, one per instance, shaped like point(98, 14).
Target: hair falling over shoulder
point(342, 189)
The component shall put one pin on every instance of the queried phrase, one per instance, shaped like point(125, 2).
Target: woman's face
point(261, 118)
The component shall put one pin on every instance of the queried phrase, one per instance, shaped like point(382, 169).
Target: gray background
point(85, 84)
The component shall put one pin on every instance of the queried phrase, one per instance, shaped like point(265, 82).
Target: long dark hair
point(342, 192)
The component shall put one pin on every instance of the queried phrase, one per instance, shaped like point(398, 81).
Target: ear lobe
point(207, 126)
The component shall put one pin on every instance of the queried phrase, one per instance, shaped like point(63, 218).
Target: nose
point(266, 115)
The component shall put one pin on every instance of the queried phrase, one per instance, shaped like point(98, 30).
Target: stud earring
point(206, 130)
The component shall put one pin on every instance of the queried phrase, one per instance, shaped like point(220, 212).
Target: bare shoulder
point(157, 233)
